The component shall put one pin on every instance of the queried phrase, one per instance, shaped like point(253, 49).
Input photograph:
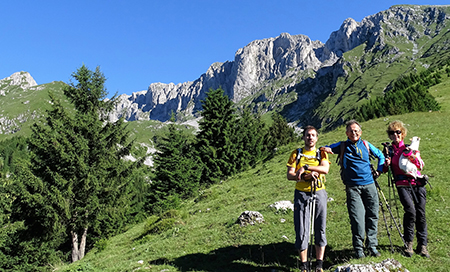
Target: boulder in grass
point(250, 218)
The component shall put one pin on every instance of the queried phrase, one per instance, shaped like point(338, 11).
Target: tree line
point(407, 94)
point(67, 187)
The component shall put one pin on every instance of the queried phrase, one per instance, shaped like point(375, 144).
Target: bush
point(101, 244)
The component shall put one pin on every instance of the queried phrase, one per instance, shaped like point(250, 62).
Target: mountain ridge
point(294, 58)
point(307, 81)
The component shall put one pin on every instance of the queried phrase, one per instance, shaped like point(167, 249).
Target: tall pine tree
point(77, 178)
point(177, 170)
point(214, 141)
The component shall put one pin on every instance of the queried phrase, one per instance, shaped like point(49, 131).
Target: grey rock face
point(283, 57)
point(259, 61)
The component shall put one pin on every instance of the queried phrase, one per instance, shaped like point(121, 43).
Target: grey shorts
point(302, 219)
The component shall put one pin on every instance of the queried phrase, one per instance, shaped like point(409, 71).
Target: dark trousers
point(414, 216)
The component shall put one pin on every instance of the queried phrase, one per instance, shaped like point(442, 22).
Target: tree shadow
point(271, 257)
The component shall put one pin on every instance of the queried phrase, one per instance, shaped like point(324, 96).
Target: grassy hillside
point(204, 235)
point(24, 107)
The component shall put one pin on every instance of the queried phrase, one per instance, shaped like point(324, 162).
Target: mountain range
point(309, 82)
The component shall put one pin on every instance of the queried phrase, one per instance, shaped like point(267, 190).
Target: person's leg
point(421, 221)
point(409, 217)
point(356, 214)
point(371, 205)
point(320, 226)
point(302, 225)
point(320, 253)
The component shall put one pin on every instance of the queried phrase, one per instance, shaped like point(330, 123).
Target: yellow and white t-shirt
point(309, 159)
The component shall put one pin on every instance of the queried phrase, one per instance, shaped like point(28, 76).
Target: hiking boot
point(374, 253)
point(304, 267)
point(423, 251)
point(359, 254)
point(409, 249)
point(319, 269)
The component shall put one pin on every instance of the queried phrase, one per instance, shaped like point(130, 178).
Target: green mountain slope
point(203, 234)
point(402, 45)
point(20, 107)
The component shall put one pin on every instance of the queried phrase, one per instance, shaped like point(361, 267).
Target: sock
point(319, 263)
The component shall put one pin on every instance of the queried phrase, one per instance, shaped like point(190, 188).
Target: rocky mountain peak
point(21, 79)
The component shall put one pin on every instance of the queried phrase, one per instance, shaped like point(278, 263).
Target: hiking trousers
point(362, 206)
point(302, 220)
point(414, 213)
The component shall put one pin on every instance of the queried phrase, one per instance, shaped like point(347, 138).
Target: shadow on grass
point(272, 257)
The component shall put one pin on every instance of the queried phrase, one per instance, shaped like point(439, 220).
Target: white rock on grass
point(388, 265)
point(283, 205)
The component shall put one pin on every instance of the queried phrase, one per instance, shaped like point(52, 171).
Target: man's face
point(354, 132)
point(310, 138)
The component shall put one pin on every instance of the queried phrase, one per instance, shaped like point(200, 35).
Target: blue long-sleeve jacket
point(356, 162)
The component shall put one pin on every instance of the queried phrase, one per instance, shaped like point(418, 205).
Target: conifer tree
point(77, 178)
point(177, 170)
point(249, 137)
point(214, 141)
point(280, 133)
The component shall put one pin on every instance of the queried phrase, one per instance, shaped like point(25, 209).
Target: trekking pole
point(388, 153)
point(312, 214)
point(386, 203)
point(385, 223)
point(413, 192)
point(391, 185)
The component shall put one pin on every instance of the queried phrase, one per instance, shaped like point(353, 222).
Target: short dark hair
point(309, 128)
point(351, 122)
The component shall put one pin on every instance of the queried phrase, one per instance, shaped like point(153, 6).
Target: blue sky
point(137, 43)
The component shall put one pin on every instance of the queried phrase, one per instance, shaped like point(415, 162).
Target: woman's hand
point(387, 161)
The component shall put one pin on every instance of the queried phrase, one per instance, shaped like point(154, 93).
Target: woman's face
point(395, 135)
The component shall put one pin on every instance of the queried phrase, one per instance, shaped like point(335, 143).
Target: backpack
point(318, 157)
point(300, 154)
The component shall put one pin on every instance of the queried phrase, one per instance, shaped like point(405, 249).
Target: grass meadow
point(204, 235)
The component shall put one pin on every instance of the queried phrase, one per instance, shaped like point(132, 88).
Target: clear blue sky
point(137, 43)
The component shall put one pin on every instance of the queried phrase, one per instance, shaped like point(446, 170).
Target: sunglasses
point(392, 132)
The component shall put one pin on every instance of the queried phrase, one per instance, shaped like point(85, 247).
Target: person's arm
point(324, 165)
point(331, 149)
point(377, 153)
point(292, 175)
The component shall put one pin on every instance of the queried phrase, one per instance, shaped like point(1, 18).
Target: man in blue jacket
point(362, 196)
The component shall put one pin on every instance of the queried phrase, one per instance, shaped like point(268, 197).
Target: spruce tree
point(250, 134)
point(280, 133)
point(214, 141)
point(177, 170)
point(77, 178)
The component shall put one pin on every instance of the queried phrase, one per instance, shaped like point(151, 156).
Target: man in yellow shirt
point(308, 166)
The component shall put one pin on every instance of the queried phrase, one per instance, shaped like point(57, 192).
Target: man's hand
point(299, 173)
point(326, 149)
point(376, 174)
